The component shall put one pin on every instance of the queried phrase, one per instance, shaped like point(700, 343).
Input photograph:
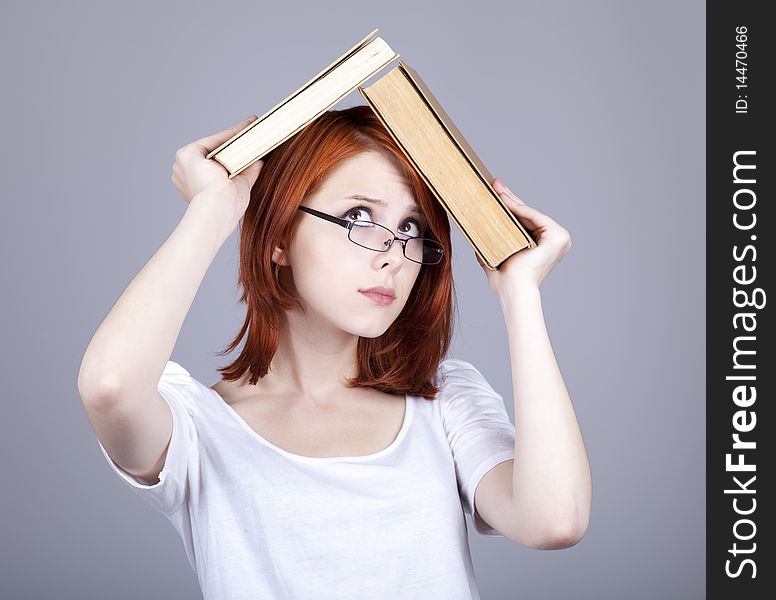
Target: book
point(293, 113)
point(416, 121)
point(447, 163)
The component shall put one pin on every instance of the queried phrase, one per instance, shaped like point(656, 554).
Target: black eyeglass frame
point(349, 226)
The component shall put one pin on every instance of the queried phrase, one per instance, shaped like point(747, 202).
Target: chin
point(371, 335)
point(370, 332)
point(357, 319)
point(374, 329)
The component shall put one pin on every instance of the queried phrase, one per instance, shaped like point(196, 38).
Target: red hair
point(404, 359)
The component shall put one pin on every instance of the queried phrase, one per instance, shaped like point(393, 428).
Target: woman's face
point(329, 271)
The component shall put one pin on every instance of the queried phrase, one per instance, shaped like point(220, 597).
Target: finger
point(211, 142)
point(501, 188)
point(530, 216)
point(511, 200)
point(511, 195)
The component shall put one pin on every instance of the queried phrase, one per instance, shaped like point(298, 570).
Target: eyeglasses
point(379, 238)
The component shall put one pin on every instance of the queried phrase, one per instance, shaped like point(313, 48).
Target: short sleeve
point(478, 430)
point(177, 387)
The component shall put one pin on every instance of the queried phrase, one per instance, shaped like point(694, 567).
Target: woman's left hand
point(531, 265)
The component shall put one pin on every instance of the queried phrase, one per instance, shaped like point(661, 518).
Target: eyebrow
point(414, 210)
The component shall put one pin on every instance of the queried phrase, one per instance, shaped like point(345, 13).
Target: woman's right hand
point(193, 174)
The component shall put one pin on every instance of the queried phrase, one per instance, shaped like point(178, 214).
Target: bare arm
point(133, 344)
point(542, 499)
point(124, 361)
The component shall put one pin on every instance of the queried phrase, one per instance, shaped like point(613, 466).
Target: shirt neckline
point(408, 416)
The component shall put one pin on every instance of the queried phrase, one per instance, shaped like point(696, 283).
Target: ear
point(279, 255)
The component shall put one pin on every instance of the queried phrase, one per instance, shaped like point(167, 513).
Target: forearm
point(134, 342)
point(551, 478)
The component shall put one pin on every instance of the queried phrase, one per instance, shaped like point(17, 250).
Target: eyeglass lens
point(376, 237)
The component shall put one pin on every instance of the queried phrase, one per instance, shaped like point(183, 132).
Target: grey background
point(593, 112)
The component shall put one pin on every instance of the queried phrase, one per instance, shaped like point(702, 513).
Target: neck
point(313, 360)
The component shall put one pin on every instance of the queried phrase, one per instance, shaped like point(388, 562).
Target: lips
point(380, 295)
point(385, 291)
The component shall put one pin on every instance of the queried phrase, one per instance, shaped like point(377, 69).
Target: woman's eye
point(358, 214)
point(410, 227)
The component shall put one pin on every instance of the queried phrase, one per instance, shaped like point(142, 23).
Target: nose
point(393, 257)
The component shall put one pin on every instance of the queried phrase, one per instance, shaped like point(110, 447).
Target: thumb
point(249, 175)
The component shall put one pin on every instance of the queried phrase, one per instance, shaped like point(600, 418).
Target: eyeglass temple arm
point(341, 222)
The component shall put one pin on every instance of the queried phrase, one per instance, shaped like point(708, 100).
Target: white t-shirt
point(260, 522)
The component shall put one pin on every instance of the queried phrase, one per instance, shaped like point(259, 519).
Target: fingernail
point(502, 186)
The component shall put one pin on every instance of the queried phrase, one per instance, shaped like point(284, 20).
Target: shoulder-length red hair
point(404, 359)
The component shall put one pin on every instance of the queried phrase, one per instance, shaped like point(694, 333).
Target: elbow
point(566, 532)
point(101, 390)
point(552, 527)
point(564, 535)
point(555, 535)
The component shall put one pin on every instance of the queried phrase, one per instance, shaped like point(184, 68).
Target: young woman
point(337, 456)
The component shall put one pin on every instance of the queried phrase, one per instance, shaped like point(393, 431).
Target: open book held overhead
point(419, 125)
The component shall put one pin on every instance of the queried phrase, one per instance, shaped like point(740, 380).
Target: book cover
point(293, 113)
point(448, 164)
